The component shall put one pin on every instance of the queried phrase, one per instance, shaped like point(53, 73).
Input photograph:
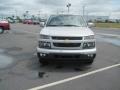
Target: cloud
point(4, 8)
point(77, 5)
point(52, 2)
point(6, 5)
point(96, 2)
point(51, 6)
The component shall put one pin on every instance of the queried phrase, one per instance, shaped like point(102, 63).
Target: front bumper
point(55, 51)
point(66, 54)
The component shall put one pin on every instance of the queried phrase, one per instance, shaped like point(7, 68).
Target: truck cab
point(66, 37)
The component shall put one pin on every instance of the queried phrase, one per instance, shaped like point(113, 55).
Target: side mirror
point(42, 24)
point(90, 24)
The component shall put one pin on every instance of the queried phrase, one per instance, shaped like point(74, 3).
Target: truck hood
point(67, 31)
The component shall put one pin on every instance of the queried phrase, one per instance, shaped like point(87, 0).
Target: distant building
point(115, 17)
point(97, 18)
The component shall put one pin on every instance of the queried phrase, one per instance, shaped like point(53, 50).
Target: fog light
point(42, 54)
point(90, 55)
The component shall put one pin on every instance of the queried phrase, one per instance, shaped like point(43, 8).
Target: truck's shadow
point(34, 64)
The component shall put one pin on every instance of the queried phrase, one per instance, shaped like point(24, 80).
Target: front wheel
point(1, 30)
point(43, 62)
point(91, 60)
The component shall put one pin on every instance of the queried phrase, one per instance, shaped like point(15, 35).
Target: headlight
point(43, 44)
point(89, 37)
point(88, 45)
point(44, 37)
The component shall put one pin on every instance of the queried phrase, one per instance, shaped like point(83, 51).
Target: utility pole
point(84, 10)
point(57, 12)
point(16, 13)
point(87, 16)
point(39, 13)
point(68, 6)
point(109, 15)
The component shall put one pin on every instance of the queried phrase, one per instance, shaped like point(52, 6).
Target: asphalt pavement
point(20, 69)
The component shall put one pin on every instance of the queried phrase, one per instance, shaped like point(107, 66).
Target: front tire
point(1, 30)
point(90, 61)
point(43, 62)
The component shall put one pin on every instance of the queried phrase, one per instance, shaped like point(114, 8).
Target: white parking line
point(73, 78)
point(113, 35)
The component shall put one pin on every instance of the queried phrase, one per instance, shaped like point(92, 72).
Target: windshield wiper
point(64, 25)
point(72, 25)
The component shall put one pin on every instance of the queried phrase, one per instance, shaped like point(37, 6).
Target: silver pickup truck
point(66, 37)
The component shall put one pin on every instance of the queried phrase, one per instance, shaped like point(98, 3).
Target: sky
point(92, 7)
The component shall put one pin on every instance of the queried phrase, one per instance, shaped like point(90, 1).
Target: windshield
point(66, 20)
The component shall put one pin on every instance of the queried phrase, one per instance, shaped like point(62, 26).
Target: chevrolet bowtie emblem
point(66, 40)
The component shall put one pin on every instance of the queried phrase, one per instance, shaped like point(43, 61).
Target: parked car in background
point(27, 21)
point(91, 24)
point(4, 25)
point(36, 22)
point(42, 22)
point(66, 37)
point(10, 20)
point(24, 21)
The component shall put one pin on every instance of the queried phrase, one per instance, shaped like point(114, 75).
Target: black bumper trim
point(67, 56)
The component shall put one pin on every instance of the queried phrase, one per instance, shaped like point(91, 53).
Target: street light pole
point(84, 10)
point(39, 12)
point(68, 6)
point(16, 13)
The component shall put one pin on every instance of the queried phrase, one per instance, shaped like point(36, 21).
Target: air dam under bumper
point(66, 54)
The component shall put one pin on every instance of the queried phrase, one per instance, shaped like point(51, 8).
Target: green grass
point(108, 25)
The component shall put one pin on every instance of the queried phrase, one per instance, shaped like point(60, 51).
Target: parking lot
point(21, 70)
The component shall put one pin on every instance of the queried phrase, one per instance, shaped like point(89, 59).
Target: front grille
point(67, 38)
point(67, 44)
